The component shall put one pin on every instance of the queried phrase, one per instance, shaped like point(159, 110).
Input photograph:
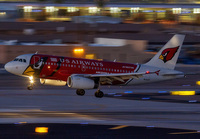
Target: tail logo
point(168, 54)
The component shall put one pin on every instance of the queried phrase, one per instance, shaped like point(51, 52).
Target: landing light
point(31, 79)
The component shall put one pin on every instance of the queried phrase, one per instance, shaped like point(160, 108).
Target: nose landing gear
point(30, 86)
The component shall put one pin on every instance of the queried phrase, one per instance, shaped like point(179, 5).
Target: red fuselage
point(60, 68)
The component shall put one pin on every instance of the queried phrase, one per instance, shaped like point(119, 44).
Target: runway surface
point(148, 105)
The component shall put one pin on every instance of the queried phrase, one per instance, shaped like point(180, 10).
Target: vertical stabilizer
point(168, 55)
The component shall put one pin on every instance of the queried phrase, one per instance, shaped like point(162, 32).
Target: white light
point(135, 10)
point(176, 10)
point(196, 10)
point(31, 77)
point(28, 8)
point(72, 9)
point(114, 10)
point(50, 9)
point(93, 9)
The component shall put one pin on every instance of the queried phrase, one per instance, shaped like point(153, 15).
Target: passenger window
point(24, 60)
point(16, 59)
point(20, 60)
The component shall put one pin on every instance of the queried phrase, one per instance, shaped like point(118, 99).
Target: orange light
point(41, 130)
point(77, 51)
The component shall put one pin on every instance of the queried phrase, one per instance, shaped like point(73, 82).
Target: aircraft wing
point(181, 73)
point(106, 78)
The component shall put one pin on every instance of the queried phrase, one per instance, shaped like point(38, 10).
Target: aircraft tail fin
point(168, 55)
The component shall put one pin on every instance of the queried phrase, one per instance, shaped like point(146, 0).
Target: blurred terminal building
point(151, 10)
point(98, 38)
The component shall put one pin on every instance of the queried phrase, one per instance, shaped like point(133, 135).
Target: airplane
point(84, 74)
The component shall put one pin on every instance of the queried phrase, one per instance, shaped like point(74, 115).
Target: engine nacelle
point(53, 82)
point(79, 82)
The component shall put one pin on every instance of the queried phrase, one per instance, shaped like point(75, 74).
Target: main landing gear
point(80, 92)
point(30, 86)
point(98, 93)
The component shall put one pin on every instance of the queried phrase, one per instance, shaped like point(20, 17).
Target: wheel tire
point(80, 92)
point(99, 94)
point(30, 87)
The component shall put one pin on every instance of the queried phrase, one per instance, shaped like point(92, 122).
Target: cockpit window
point(20, 60)
point(16, 59)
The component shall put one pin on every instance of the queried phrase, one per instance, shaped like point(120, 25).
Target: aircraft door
point(37, 62)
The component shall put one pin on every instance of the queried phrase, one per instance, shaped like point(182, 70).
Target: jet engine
point(79, 82)
point(53, 82)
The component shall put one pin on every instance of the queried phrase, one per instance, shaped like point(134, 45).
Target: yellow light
point(41, 130)
point(90, 56)
point(22, 122)
point(198, 82)
point(2, 13)
point(182, 93)
point(118, 127)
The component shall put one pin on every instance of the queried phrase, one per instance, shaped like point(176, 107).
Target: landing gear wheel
point(99, 94)
point(30, 87)
point(80, 92)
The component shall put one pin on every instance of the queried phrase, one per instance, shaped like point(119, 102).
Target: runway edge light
point(182, 93)
point(41, 130)
point(197, 82)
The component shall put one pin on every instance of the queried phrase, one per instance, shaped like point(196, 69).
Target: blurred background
point(126, 31)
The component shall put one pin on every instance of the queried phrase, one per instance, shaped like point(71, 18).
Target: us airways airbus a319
point(84, 74)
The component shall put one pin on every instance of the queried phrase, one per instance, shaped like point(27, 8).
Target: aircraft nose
point(15, 68)
point(8, 66)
